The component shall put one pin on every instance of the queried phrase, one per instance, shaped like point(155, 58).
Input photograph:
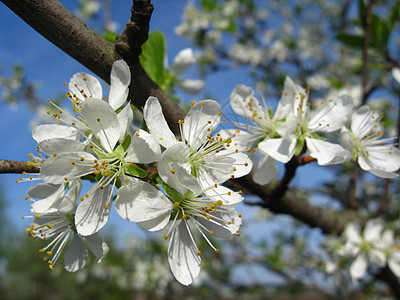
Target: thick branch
point(128, 46)
point(10, 166)
point(299, 208)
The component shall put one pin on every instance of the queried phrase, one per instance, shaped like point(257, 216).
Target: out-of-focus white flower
point(182, 61)
point(365, 247)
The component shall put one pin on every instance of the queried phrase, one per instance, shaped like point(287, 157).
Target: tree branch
point(10, 166)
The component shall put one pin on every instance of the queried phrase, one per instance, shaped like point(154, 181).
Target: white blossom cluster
point(375, 245)
point(185, 198)
point(295, 129)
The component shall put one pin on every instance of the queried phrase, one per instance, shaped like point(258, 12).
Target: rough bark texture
point(11, 166)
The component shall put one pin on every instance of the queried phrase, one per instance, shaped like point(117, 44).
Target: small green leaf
point(152, 57)
point(194, 171)
point(351, 40)
point(110, 35)
point(134, 170)
point(120, 151)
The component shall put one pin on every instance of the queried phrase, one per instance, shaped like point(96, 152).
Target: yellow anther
point(73, 162)
point(216, 250)
point(181, 121)
point(49, 253)
point(127, 180)
point(27, 197)
point(192, 102)
point(176, 204)
point(199, 252)
point(211, 232)
point(165, 236)
point(173, 171)
point(98, 119)
point(137, 134)
point(84, 78)
point(238, 234)
point(219, 113)
point(203, 104)
point(248, 149)
point(81, 198)
point(246, 164)
point(55, 155)
point(105, 206)
point(82, 159)
point(240, 215)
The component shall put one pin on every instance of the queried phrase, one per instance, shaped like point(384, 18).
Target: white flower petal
point(281, 149)
point(97, 246)
point(59, 169)
point(142, 203)
point(93, 213)
point(372, 231)
point(394, 263)
point(182, 256)
point(265, 171)
point(191, 86)
point(91, 86)
point(70, 201)
point(49, 194)
point(182, 61)
point(125, 118)
point(76, 256)
point(333, 115)
point(51, 131)
point(359, 267)
point(228, 198)
point(60, 145)
point(143, 149)
point(120, 79)
point(102, 121)
point(201, 117)
point(396, 74)
point(352, 233)
point(377, 257)
point(285, 103)
point(327, 153)
point(240, 99)
point(157, 124)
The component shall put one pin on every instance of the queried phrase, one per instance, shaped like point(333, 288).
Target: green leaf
point(172, 193)
point(351, 40)
point(152, 57)
point(379, 33)
point(134, 170)
point(120, 151)
point(110, 35)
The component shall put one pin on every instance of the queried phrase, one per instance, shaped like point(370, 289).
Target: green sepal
point(194, 171)
point(316, 136)
point(299, 146)
point(172, 193)
point(354, 155)
point(123, 147)
point(99, 154)
point(134, 170)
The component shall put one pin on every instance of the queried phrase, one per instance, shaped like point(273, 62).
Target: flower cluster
point(375, 245)
point(295, 129)
point(185, 197)
point(96, 142)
